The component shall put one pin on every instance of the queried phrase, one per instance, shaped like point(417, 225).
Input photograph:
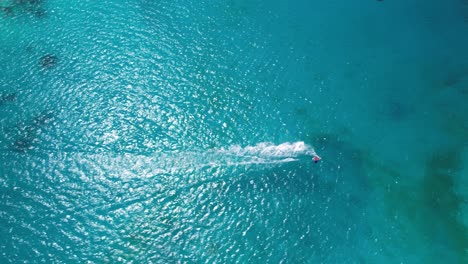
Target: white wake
point(183, 162)
point(271, 151)
point(264, 153)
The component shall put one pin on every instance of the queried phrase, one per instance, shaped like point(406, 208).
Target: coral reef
point(48, 61)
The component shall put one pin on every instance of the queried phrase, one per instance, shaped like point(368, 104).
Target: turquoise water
point(147, 131)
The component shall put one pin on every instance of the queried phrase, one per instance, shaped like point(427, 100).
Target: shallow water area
point(163, 131)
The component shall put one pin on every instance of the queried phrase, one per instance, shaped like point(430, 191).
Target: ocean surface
point(156, 131)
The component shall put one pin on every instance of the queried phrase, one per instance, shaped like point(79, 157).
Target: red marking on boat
point(316, 158)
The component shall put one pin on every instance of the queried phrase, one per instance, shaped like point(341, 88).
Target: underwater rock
point(434, 198)
point(13, 7)
point(7, 97)
point(44, 118)
point(455, 78)
point(31, 2)
point(442, 203)
point(39, 12)
point(7, 10)
point(396, 110)
point(27, 134)
point(29, 48)
point(48, 61)
point(22, 144)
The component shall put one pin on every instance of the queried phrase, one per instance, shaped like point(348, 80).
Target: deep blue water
point(147, 131)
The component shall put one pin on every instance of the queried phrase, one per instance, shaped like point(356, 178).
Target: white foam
point(128, 165)
point(272, 151)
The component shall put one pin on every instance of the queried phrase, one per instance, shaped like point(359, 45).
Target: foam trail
point(272, 151)
point(264, 153)
point(131, 165)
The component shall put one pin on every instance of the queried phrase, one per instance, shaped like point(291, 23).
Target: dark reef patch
point(452, 77)
point(431, 209)
point(29, 48)
point(23, 7)
point(7, 97)
point(25, 135)
point(39, 12)
point(456, 125)
point(22, 144)
point(440, 199)
point(44, 118)
point(48, 61)
point(456, 77)
point(396, 111)
point(7, 10)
